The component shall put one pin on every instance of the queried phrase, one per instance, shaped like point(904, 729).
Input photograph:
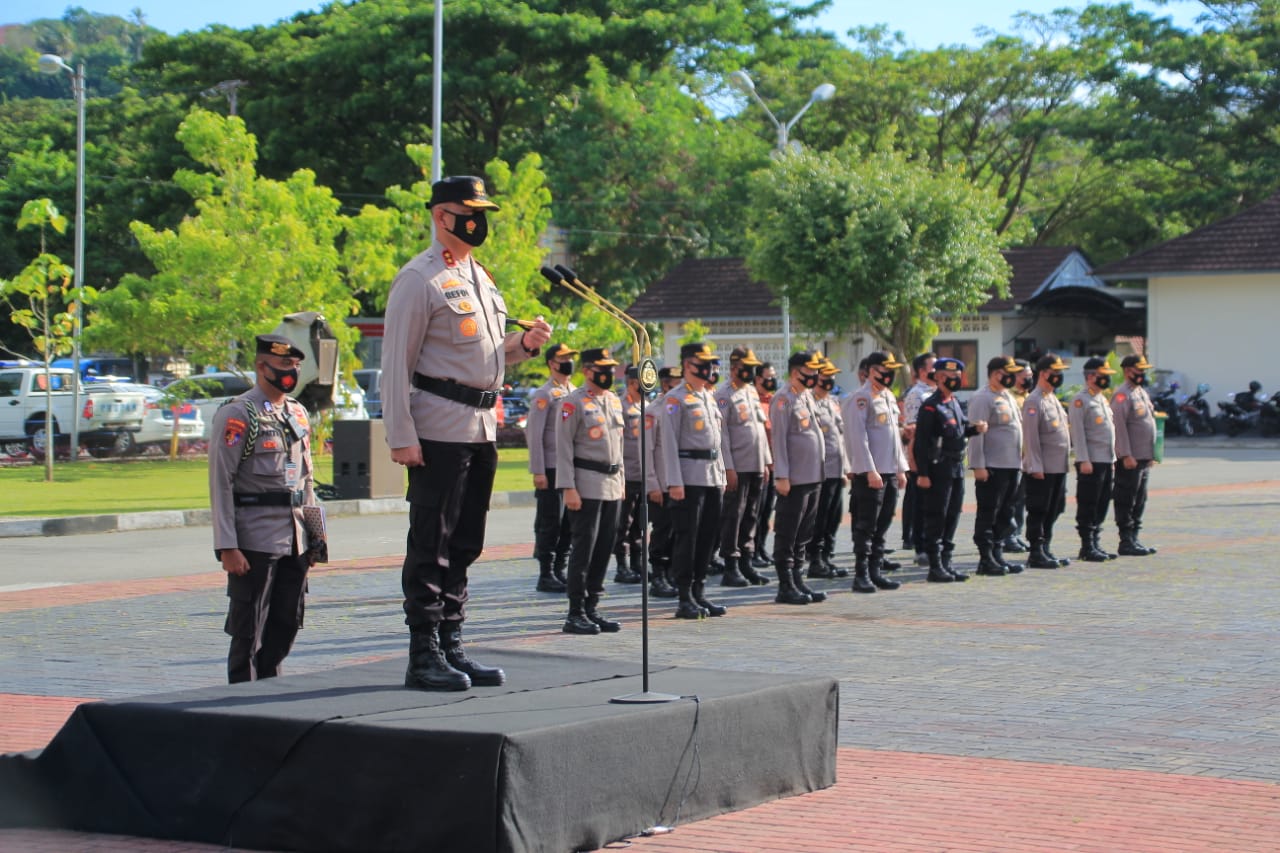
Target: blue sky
point(925, 23)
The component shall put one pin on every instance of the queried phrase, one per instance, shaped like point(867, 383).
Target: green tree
point(255, 250)
point(878, 243)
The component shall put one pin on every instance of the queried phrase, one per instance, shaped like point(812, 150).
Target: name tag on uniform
point(291, 474)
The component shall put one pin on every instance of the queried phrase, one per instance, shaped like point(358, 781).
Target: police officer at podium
point(444, 354)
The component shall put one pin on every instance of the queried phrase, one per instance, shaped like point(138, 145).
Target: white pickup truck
point(107, 418)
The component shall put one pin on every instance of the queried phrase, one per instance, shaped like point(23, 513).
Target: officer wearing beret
point(996, 459)
point(835, 465)
point(746, 456)
point(942, 431)
point(590, 473)
point(260, 477)
point(1046, 448)
point(878, 468)
point(444, 355)
point(799, 469)
point(550, 526)
point(1093, 434)
point(660, 581)
point(1135, 451)
point(691, 442)
point(626, 545)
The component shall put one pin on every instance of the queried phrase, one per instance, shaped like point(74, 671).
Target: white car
point(157, 424)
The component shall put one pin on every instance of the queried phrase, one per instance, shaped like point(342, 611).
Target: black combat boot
point(659, 586)
point(861, 583)
point(688, 608)
point(624, 574)
point(1063, 562)
point(818, 569)
point(547, 581)
point(997, 554)
point(428, 669)
point(480, 675)
point(828, 551)
point(577, 621)
point(949, 567)
point(1146, 548)
point(874, 568)
point(557, 568)
point(746, 565)
point(1088, 552)
point(987, 564)
point(1097, 546)
point(606, 626)
point(1038, 559)
point(797, 577)
point(710, 608)
point(937, 574)
point(733, 573)
point(1014, 545)
point(787, 592)
point(714, 566)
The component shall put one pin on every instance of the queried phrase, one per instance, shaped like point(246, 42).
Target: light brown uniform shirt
point(691, 421)
point(1046, 436)
point(278, 463)
point(1093, 435)
point(746, 442)
point(1135, 421)
point(540, 429)
point(445, 320)
point(590, 427)
point(798, 447)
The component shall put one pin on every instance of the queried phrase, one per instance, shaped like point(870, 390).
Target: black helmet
point(1255, 386)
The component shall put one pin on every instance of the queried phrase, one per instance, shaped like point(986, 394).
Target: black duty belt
point(456, 391)
point(599, 467)
point(269, 498)
point(699, 454)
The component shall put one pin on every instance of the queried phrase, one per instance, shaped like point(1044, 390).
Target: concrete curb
point(73, 525)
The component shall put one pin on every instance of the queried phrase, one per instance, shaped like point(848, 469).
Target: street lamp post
point(742, 81)
point(51, 63)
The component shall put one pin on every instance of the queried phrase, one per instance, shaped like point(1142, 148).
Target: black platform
point(350, 760)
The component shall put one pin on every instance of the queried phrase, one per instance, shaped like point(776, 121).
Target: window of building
point(966, 351)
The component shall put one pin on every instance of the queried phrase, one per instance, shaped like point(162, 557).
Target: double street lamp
point(51, 63)
point(742, 81)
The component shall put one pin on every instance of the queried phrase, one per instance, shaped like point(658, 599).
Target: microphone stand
point(647, 374)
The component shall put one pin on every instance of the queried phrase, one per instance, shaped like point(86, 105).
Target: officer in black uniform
point(942, 433)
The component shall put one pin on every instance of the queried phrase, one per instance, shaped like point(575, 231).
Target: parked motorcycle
point(1241, 412)
point(1194, 415)
point(1166, 400)
point(1269, 416)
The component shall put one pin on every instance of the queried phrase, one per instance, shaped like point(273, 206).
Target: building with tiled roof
point(1054, 303)
point(1213, 296)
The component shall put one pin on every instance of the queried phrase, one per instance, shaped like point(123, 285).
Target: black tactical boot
point(1097, 546)
point(1014, 545)
point(733, 573)
point(659, 586)
point(787, 592)
point(547, 581)
point(949, 567)
point(1088, 552)
point(836, 571)
point(1063, 562)
point(797, 578)
point(714, 566)
point(480, 675)
point(688, 608)
point(987, 564)
point(746, 565)
point(606, 626)
point(937, 574)
point(577, 621)
point(874, 573)
point(1138, 544)
point(861, 583)
point(624, 574)
point(428, 669)
point(997, 554)
point(557, 568)
point(710, 608)
point(1038, 559)
point(818, 569)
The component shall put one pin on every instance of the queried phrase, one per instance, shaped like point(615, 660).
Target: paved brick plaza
point(1128, 706)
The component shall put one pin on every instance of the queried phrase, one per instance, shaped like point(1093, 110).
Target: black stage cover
point(349, 760)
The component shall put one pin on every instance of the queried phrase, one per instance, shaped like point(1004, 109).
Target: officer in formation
point(912, 505)
point(941, 434)
point(445, 351)
point(1093, 435)
point(1046, 447)
point(766, 383)
point(260, 477)
point(878, 468)
point(695, 479)
point(746, 457)
point(626, 546)
point(995, 457)
point(798, 469)
point(550, 526)
point(1014, 543)
point(589, 472)
point(1135, 423)
point(835, 464)
point(660, 581)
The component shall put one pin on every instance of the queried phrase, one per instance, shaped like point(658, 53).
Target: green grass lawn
point(95, 487)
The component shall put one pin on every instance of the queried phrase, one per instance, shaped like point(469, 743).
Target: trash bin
point(1161, 417)
point(362, 466)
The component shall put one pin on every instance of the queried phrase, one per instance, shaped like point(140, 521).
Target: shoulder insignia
point(1079, 404)
point(862, 402)
point(234, 432)
point(1031, 411)
point(673, 406)
point(566, 409)
point(541, 404)
point(691, 398)
point(929, 409)
point(1120, 398)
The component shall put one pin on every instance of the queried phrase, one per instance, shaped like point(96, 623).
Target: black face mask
point(282, 380)
point(826, 384)
point(602, 378)
point(770, 384)
point(703, 370)
point(1138, 379)
point(1102, 381)
point(745, 374)
point(951, 383)
point(714, 377)
point(1008, 381)
point(1028, 384)
point(884, 377)
point(565, 368)
point(1055, 380)
point(809, 380)
point(470, 229)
